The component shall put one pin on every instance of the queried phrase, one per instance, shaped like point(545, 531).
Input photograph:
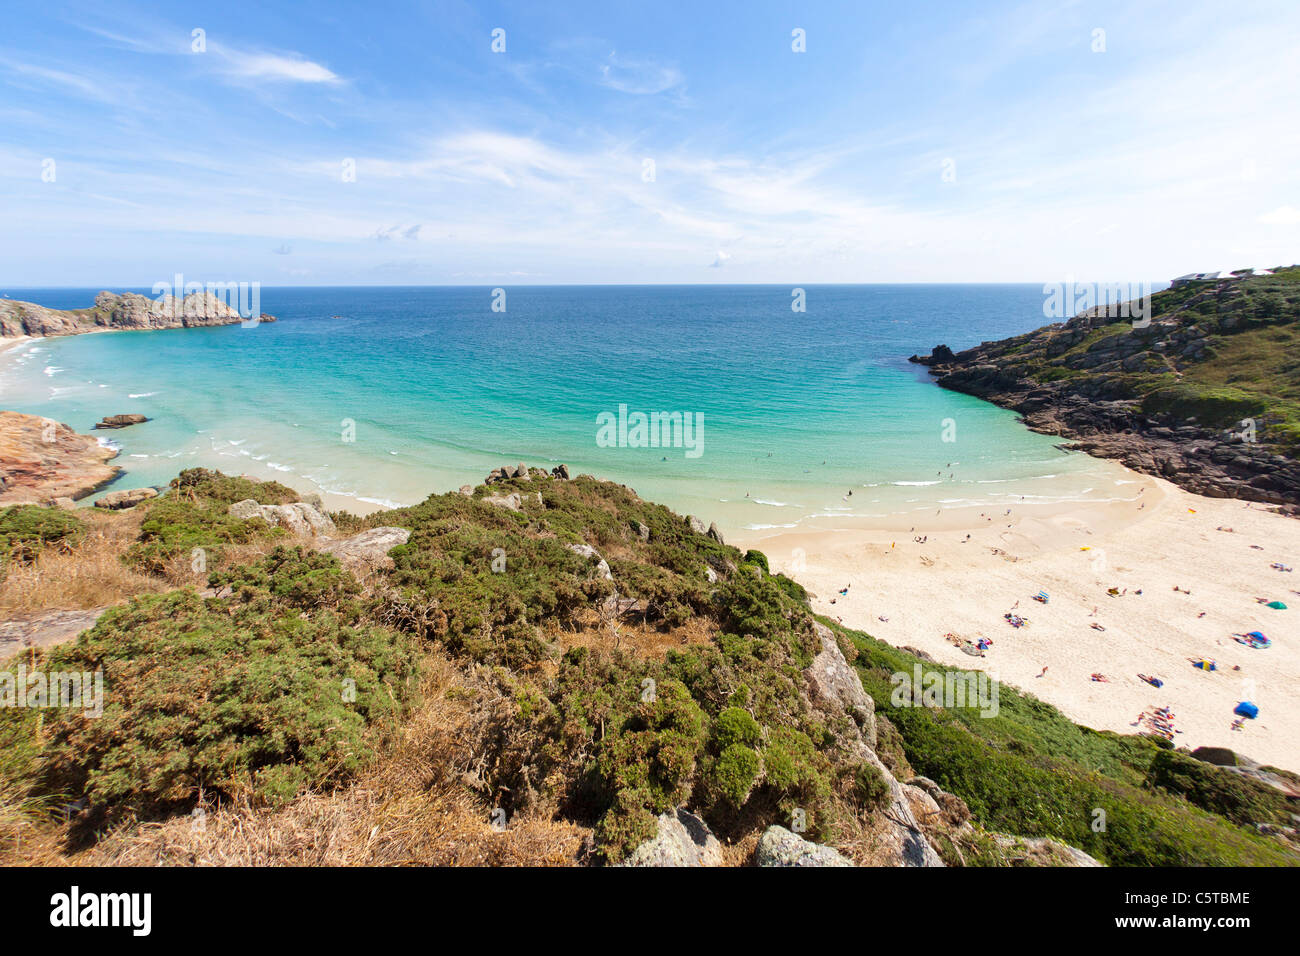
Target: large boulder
point(300, 517)
point(779, 847)
point(369, 548)
point(119, 500)
point(591, 554)
point(682, 840)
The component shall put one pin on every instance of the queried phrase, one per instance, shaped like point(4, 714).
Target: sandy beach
point(971, 568)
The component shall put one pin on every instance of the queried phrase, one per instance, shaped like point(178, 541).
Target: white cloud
point(271, 66)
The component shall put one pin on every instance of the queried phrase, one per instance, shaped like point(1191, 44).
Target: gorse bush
point(194, 514)
point(266, 696)
point(25, 530)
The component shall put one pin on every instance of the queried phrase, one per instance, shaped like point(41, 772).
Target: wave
point(141, 394)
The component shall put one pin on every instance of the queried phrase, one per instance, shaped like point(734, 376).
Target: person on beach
point(1043, 671)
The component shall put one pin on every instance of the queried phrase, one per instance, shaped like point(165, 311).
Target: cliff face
point(112, 311)
point(1207, 395)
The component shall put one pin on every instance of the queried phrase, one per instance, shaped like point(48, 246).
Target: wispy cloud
point(275, 67)
point(638, 76)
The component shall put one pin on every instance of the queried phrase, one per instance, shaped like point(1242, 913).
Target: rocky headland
point(1205, 394)
point(118, 312)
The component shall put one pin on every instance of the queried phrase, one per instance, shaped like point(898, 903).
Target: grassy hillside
point(325, 714)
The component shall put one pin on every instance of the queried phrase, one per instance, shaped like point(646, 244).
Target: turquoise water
point(389, 394)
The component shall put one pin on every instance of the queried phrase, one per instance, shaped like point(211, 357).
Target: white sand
point(1151, 543)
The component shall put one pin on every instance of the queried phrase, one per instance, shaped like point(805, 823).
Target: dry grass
point(89, 576)
point(646, 641)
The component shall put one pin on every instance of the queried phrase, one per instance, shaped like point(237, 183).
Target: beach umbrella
point(1276, 605)
point(1246, 709)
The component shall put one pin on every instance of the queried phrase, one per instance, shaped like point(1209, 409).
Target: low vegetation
point(495, 668)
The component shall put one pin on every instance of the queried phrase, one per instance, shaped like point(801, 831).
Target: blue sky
point(928, 141)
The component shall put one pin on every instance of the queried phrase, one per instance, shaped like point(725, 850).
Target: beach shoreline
point(960, 578)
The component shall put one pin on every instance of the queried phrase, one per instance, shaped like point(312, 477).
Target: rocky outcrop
point(41, 460)
point(835, 688)
point(1114, 387)
point(1243, 766)
point(121, 500)
point(123, 311)
point(1042, 851)
point(682, 840)
point(120, 421)
point(43, 628)
point(832, 682)
point(591, 554)
point(368, 549)
point(779, 847)
point(299, 518)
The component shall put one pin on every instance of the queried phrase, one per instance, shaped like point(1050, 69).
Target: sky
point(389, 143)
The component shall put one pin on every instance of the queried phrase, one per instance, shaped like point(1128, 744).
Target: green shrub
point(870, 790)
point(733, 773)
point(25, 530)
point(735, 726)
point(195, 514)
point(1220, 791)
point(247, 699)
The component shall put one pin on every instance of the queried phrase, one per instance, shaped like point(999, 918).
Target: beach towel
point(1254, 640)
point(1246, 709)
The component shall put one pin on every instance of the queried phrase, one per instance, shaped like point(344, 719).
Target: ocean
point(386, 395)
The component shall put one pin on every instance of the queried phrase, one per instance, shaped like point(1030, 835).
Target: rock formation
point(299, 517)
point(368, 549)
point(121, 421)
point(41, 460)
point(120, 500)
point(1141, 393)
point(682, 840)
point(779, 847)
point(113, 311)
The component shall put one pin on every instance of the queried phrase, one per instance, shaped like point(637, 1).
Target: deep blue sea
point(386, 395)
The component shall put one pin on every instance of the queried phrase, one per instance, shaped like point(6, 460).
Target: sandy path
point(1163, 538)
